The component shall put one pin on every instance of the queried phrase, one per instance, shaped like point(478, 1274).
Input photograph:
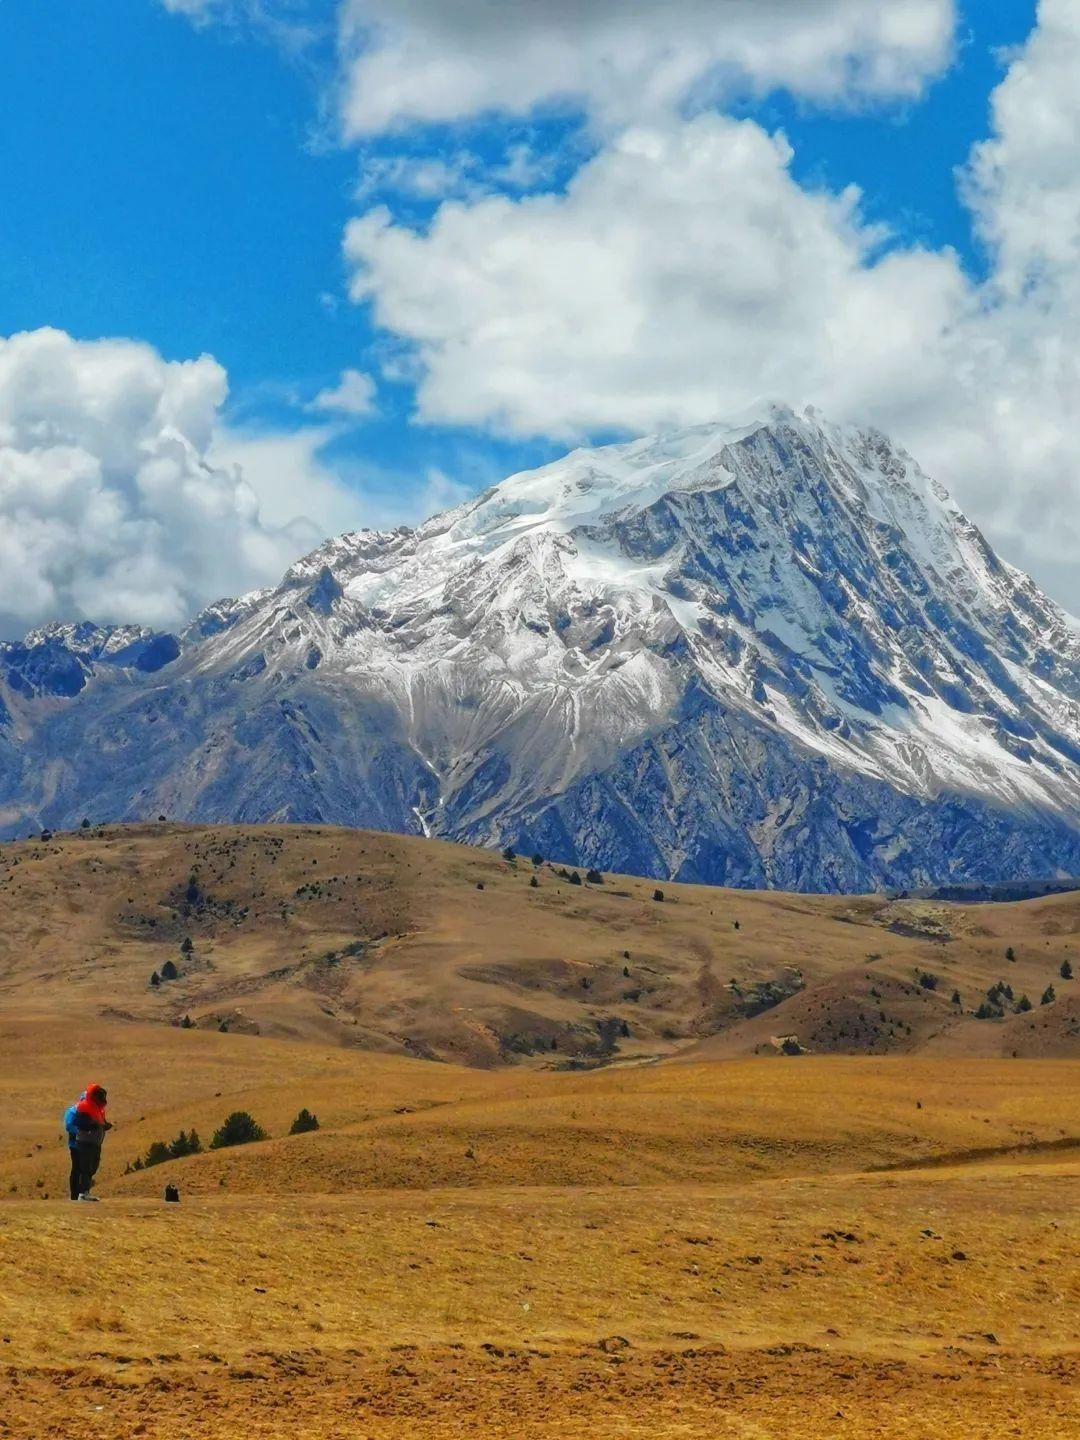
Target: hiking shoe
point(91, 1198)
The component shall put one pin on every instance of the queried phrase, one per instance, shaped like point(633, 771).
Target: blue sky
point(184, 186)
point(186, 180)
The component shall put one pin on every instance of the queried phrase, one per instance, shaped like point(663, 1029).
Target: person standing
point(73, 1149)
point(91, 1127)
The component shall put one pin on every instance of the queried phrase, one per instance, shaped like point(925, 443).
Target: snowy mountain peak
point(771, 651)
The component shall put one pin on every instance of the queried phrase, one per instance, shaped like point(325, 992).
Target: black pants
point(85, 1160)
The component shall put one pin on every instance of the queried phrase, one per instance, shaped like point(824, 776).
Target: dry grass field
point(744, 1244)
point(414, 947)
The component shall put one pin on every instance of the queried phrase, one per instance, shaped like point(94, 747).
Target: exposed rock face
point(778, 655)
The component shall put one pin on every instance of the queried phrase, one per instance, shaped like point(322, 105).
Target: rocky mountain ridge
point(775, 654)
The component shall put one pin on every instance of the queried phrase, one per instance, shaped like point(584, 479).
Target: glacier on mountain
point(774, 653)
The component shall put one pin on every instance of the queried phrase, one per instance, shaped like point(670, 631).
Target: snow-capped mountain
point(775, 654)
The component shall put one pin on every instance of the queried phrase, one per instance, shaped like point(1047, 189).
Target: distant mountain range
point(770, 655)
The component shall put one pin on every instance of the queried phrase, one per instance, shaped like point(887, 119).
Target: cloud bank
point(684, 274)
point(410, 61)
point(112, 505)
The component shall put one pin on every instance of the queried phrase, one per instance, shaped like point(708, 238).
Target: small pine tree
point(85, 825)
point(1066, 971)
point(1023, 1004)
point(658, 896)
point(185, 1145)
point(508, 854)
point(956, 997)
point(169, 971)
point(239, 1129)
point(185, 1023)
point(1048, 996)
point(304, 1122)
point(538, 860)
point(534, 884)
point(1010, 954)
point(928, 982)
point(155, 979)
point(594, 877)
point(157, 1154)
point(479, 884)
point(1007, 991)
point(736, 925)
point(575, 878)
point(187, 945)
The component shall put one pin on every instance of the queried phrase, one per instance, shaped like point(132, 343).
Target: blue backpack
point(69, 1125)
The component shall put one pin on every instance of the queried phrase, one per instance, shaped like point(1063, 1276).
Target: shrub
point(1049, 995)
point(658, 895)
point(928, 982)
point(508, 854)
point(735, 925)
point(185, 1145)
point(1010, 954)
point(479, 884)
point(956, 997)
point(160, 1150)
point(538, 859)
point(304, 1122)
point(1066, 972)
point(239, 1129)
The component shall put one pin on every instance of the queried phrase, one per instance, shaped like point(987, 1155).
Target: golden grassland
point(414, 947)
point(695, 1250)
point(878, 1238)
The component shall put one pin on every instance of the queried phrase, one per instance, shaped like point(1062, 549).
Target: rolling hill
point(422, 948)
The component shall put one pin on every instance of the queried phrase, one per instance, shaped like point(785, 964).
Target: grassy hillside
point(675, 1251)
point(393, 1123)
point(745, 1243)
point(414, 947)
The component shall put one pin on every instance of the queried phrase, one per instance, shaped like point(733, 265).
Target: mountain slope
point(775, 655)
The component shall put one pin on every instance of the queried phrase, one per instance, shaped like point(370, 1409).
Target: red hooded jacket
point(90, 1122)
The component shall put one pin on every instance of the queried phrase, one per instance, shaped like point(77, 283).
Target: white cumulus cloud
point(354, 395)
point(410, 61)
point(113, 505)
